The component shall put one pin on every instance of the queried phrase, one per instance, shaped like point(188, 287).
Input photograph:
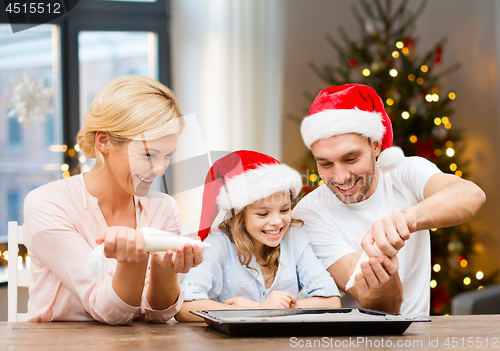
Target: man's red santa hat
point(352, 108)
point(241, 178)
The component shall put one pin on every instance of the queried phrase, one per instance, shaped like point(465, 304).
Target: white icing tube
point(158, 240)
point(357, 270)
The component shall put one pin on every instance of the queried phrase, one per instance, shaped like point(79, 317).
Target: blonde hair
point(129, 107)
point(234, 228)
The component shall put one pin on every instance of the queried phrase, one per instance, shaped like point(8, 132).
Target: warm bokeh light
point(467, 280)
point(82, 159)
point(405, 115)
point(437, 121)
point(395, 54)
point(420, 81)
point(436, 268)
point(77, 148)
point(452, 95)
point(447, 125)
point(413, 138)
point(393, 72)
point(453, 167)
point(458, 174)
point(450, 152)
point(437, 152)
point(435, 97)
point(428, 97)
point(313, 178)
point(405, 51)
point(389, 102)
point(424, 68)
point(366, 72)
point(321, 182)
point(411, 77)
point(65, 174)
point(71, 152)
point(433, 284)
point(463, 263)
point(445, 119)
point(479, 275)
point(449, 143)
point(64, 167)
point(399, 45)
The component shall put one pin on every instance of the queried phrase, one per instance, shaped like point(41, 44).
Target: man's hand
point(379, 287)
point(389, 234)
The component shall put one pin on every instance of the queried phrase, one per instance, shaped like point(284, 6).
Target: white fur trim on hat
point(328, 123)
point(257, 184)
point(390, 158)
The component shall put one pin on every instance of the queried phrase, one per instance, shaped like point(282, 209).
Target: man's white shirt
point(336, 229)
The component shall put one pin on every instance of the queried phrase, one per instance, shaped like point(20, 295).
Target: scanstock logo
point(26, 14)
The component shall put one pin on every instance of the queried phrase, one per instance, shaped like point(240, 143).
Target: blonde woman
point(131, 130)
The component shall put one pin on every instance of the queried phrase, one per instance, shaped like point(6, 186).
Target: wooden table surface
point(480, 332)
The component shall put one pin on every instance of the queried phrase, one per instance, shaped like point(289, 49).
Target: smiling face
point(268, 220)
point(134, 164)
point(346, 163)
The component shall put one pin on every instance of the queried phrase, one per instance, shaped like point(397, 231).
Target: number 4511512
point(33, 8)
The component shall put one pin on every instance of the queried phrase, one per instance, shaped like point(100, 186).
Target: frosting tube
point(357, 270)
point(158, 240)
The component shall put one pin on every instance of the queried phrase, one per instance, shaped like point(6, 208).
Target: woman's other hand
point(180, 260)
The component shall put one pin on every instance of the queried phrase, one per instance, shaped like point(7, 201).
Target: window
point(30, 118)
point(13, 206)
point(14, 130)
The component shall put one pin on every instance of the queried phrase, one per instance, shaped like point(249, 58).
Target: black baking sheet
point(218, 319)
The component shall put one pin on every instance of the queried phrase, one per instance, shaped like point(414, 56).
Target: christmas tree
point(386, 59)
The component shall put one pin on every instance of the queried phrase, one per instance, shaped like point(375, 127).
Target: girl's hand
point(124, 244)
point(241, 302)
point(180, 260)
point(279, 299)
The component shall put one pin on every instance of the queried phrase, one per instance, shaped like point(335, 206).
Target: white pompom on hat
point(241, 178)
point(352, 108)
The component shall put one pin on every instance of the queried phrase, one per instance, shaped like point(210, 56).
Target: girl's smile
point(268, 220)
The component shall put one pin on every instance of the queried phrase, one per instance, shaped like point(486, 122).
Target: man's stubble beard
point(363, 190)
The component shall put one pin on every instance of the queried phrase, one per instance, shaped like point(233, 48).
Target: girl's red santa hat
point(352, 108)
point(241, 178)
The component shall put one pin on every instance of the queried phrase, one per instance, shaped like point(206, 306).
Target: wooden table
point(459, 332)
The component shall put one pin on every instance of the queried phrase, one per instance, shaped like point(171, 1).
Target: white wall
point(471, 27)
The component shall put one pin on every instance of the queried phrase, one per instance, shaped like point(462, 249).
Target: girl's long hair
point(234, 228)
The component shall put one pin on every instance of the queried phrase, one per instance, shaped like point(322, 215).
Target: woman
point(131, 130)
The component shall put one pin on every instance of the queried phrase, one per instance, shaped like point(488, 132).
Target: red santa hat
point(352, 108)
point(241, 178)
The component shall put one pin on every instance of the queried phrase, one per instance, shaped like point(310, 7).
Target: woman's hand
point(125, 244)
point(278, 299)
point(241, 302)
point(180, 260)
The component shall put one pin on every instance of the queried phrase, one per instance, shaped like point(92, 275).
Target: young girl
point(260, 258)
point(131, 130)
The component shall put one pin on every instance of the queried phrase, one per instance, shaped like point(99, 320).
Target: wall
point(471, 28)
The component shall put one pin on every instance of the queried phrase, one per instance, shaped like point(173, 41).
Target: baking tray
point(307, 322)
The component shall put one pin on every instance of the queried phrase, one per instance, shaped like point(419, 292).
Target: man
point(391, 202)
